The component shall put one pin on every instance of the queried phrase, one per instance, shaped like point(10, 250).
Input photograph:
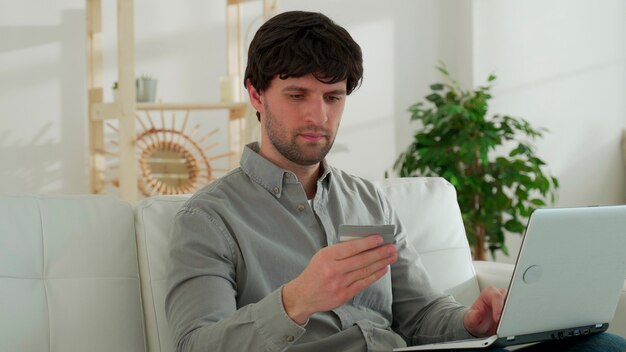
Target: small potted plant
point(497, 175)
point(145, 89)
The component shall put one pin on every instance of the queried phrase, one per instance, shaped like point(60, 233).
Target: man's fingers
point(493, 300)
point(365, 258)
point(361, 284)
point(338, 272)
point(474, 317)
point(369, 270)
point(350, 248)
point(499, 305)
point(364, 268)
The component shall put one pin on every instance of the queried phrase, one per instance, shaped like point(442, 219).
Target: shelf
point(109, 111)
point(125, 110)
point(191, 106)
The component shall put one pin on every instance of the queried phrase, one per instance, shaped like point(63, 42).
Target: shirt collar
point(267, 174)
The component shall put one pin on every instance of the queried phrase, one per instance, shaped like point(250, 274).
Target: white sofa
point(87, 273)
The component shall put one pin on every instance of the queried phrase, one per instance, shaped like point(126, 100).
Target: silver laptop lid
point(569, 272)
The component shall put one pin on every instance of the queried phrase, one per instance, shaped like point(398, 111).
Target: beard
point(287, 144)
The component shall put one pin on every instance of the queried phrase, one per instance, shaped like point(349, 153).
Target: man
point(257, 265)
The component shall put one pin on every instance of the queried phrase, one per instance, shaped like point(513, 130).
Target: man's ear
point(255, 96)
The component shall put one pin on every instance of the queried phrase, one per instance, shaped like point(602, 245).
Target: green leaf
point(514, 226)
point(436, 86)
point(538, 202)
point(525, 212)
point(434, 97)
point(504, 249)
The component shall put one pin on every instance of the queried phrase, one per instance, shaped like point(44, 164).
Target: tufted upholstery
point(68, 275)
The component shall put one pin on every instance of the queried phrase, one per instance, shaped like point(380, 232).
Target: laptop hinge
point(510, 338)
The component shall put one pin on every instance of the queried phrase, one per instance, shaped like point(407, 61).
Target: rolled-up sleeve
point(201, 302)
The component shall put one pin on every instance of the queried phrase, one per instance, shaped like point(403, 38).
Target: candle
point(229, 89)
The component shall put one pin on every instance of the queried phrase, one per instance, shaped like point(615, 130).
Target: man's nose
point(316, 111)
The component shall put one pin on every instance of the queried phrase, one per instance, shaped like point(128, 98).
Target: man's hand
point(335, 274)
point(483, 317)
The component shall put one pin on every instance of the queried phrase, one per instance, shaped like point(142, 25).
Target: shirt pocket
point(377, 297)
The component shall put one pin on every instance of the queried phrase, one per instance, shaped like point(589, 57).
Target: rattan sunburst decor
point(171, 159)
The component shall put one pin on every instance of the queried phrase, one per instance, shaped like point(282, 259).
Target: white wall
point(560, 64)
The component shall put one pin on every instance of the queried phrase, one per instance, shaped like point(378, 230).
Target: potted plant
point(497, 175)
point(145, 89)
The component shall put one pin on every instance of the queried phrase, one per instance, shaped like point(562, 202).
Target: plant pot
point(146, 90)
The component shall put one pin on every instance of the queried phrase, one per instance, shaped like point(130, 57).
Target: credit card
point(351, 232)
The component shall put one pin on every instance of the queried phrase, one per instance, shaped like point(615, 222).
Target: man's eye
point(333, 98)
point(296, 96)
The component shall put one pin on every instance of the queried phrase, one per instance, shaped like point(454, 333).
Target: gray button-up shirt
point(237, 241)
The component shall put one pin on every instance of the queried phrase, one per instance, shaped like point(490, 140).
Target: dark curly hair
point(297, 43)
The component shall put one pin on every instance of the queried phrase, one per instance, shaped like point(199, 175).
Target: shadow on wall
point(44, 99)
point(37, 163)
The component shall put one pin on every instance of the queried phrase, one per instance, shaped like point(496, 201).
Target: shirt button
point(300, 207)
point(369, 338)
point(290, 338)
point(275, 190)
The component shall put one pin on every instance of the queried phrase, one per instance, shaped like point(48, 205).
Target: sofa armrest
point(499, 275)
point(493, 274)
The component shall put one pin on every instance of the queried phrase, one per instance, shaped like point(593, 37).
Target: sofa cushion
point(426, 206)
point(68, 275)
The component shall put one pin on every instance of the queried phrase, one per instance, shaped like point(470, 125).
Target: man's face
point(300, 119)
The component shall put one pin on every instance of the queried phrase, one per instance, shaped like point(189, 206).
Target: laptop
point(567, 279)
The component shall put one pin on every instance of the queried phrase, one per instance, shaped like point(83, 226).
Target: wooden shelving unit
point(125, 108)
